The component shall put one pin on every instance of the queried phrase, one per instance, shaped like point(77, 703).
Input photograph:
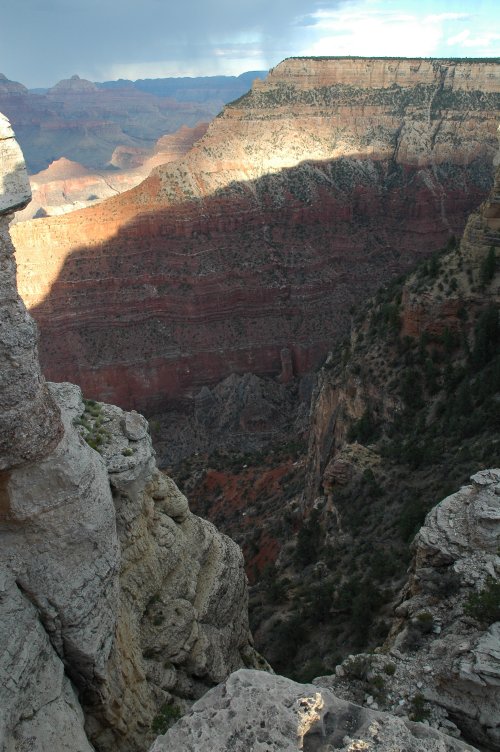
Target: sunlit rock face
point(66, 185)
point(303, 197)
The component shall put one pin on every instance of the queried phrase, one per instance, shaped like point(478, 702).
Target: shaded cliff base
point(244, 414)
point(402, 412)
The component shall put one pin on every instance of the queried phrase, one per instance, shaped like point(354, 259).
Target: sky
point(44, 41)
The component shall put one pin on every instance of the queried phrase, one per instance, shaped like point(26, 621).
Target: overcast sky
point(44, 41)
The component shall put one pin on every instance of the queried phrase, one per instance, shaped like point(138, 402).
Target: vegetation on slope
point(429, 418)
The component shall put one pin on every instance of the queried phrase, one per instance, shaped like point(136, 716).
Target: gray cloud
point(42, 41)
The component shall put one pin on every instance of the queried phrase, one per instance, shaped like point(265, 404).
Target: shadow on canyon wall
point(182, 296)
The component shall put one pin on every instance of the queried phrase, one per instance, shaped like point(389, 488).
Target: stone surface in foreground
point(256, 711)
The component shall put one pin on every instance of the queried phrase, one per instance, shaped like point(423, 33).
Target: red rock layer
point(301, 198)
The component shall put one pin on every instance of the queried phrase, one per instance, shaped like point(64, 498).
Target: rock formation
point(404, 411)
point(445, 301)
point(246, 247)
point(443, 649)
point(255, 711)
point(114, 598)
point(29, 421)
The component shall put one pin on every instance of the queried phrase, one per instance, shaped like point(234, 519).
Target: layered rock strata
point(256, 711)
point(84, 123)
point(343, 394)
point(114, 598)
point(303, 196)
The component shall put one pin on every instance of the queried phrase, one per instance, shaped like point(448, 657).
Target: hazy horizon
point(44, 41)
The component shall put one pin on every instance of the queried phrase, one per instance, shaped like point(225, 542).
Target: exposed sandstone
point(66, 186)
point(255, 711)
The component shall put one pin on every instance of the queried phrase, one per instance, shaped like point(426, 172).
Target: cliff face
point(440, 306)
point(29, 423)
point(404, 410)
point(248, 245)
point(114, 599)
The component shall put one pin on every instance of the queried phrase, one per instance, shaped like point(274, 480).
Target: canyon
point(85, 122)
point(303, 196)
point(404, 410)
point(121, 608)
point(66, 185)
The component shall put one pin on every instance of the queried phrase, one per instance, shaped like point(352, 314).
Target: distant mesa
point(9, 88)
point(75, 85)
point(61, 169)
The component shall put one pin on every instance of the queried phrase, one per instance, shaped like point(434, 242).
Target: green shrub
point(485, 605)
point(418, 710)
point(167, 716)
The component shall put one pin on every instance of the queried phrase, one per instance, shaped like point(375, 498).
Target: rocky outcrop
point(441, 661)
point(56, 516)
point(245, 248)
point(256, 711)
point(73, 85)
point(114, 598)
point(182, 621)
point(29, 422)
point(241, 413)
point(11, 88)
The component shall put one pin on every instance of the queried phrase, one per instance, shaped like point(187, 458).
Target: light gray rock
point(256, 711)
point(15, 191)
point(29, 420)
point(60, 540)
point(437, 648)
point(182, 621)
point(37, 702)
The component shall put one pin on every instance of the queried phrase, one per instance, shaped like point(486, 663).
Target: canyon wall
point(303, 196)
point(433, 304)
point(115, 600)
